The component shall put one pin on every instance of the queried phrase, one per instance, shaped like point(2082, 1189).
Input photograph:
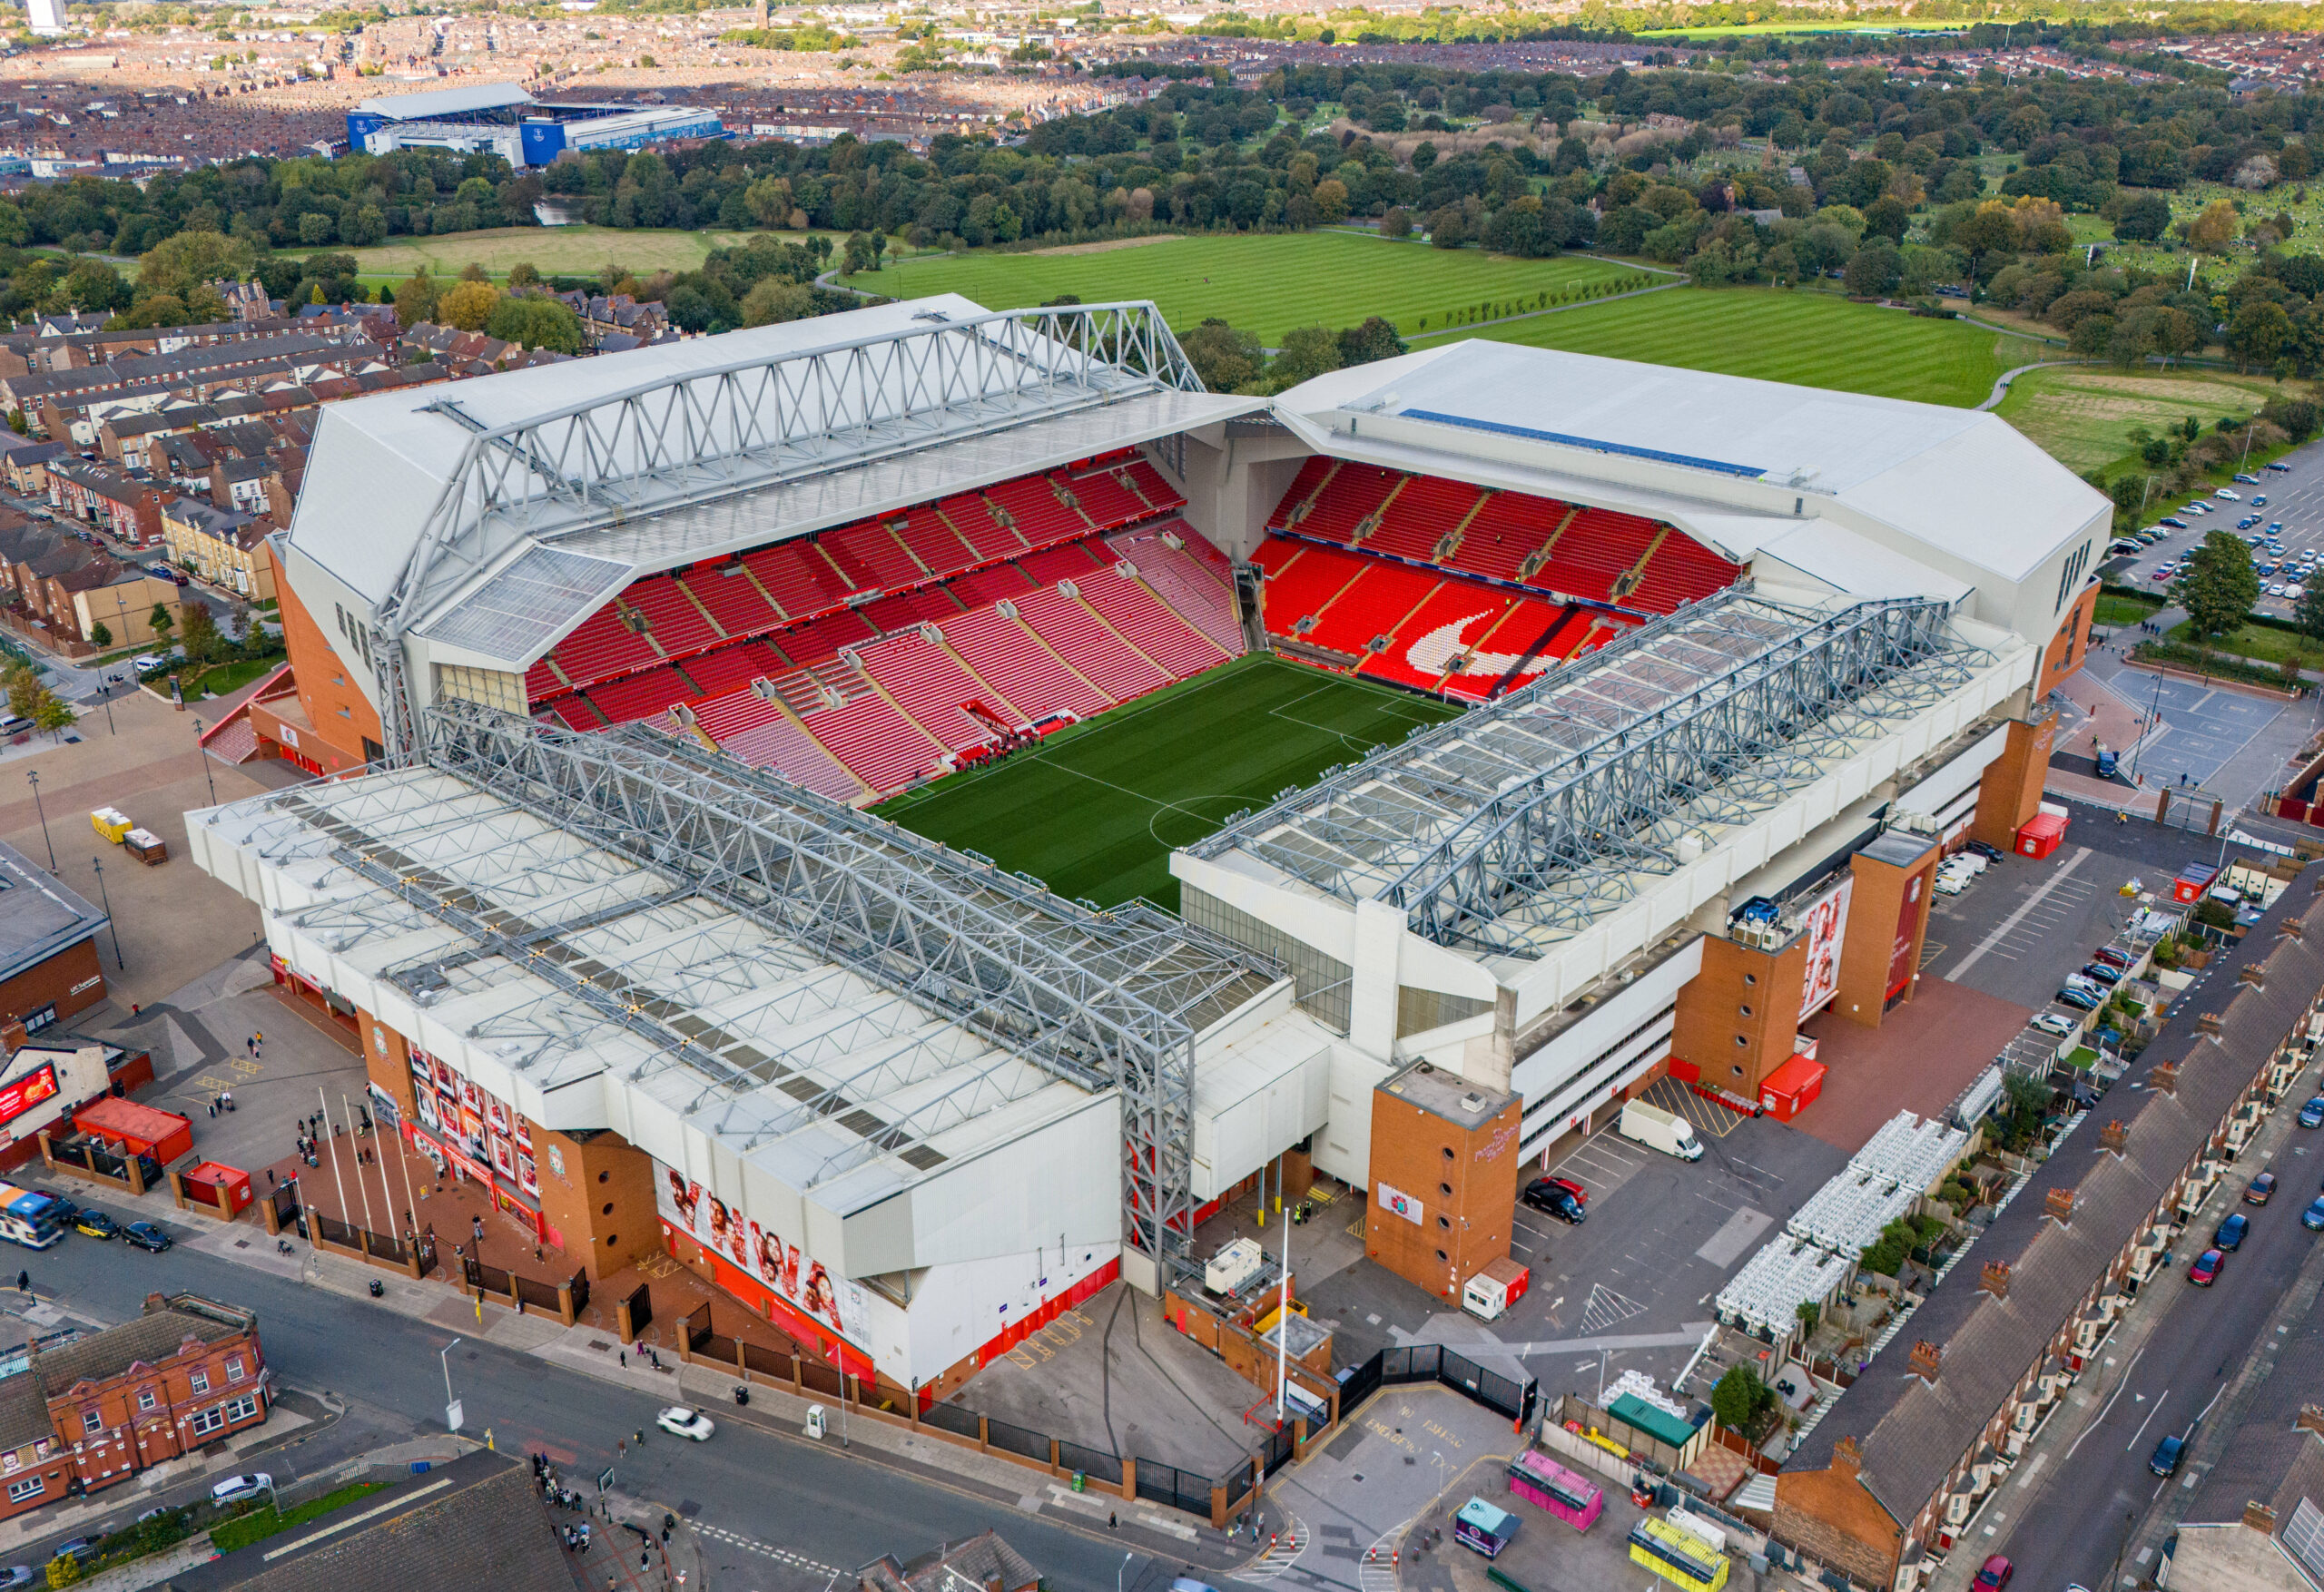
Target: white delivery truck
point(1660, 1130)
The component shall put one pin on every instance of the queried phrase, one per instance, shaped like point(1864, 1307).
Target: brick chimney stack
point(12, 1036)
point(2114, 1137)
point(1994, 1277)
point(2310, 1418)
point(1847, 1457)
point(2164, 1076)
point(2260, 1516)
point(1927, 1358)
point(2209, 1023)
point(2059, 1204)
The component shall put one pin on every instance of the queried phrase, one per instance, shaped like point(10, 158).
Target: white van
point(1660, 1130)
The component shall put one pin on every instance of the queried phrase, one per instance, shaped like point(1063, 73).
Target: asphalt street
point(2083, 1505)
point(756, 1494)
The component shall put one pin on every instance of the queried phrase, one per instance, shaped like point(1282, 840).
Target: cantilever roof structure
point(1519, 823)
point(842, 1005)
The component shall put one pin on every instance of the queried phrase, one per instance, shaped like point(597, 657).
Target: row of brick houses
point(37, 389)
point(90, 1414)
point(49, 346)
point(58, 589)
point(1892, 1477)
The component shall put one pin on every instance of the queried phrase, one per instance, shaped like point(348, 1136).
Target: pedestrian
point(270, 1179)
point(214, 1108)
point(624, 1360)
point(1113, 1523)
point(23, 1282)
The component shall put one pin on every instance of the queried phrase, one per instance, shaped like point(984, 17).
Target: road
point(2083, 1503)
point(761, 1492)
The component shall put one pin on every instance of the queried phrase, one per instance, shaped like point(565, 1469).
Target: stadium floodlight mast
point(692, 437)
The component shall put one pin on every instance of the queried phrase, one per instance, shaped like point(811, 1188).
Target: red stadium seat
point(1009, 657)
point(927, 684)
point(725, 590)
point(876, 743)
point(1099, 655)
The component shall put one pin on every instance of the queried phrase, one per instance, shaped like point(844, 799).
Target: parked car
point(147, 1236)
point(2081, 1000)
point(2260, 500)
point(2055, 1022)
point(1995, 1573)
point(2282, 469)
point(683, 1422)
point(2312, 1218)
point(2262, 1189)
point(2247, 480)
point(2102, 973)
point(1991, 853)
point(2230, 1236)
point(2173, 521)
point(96, 1224)
point(2113, 957)
point(1548, 1194)
point(2167, 1454)
point(2312, 1114)
point(2229, 494)
point(16, 1576)
point(145, 662)
point(2205, 1270)
point(237, 1490)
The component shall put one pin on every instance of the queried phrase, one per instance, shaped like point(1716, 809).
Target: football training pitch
point(1095, 810)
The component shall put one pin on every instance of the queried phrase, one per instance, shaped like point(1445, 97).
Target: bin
point(2041, 837)
point(111, 823)
point(146, 846)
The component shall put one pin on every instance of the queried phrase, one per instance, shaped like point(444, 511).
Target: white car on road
point(234, 1490)
point(681, 1421)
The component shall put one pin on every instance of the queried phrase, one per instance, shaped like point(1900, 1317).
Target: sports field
point(1811, 340)
point(553, 250)
point(2082, 415)
point(1095, 810)
point(1264, 284)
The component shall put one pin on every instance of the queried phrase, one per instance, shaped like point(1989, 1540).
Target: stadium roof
point(1723, 456)
point(1515, 825)
point(446, 101)
point(492, 517)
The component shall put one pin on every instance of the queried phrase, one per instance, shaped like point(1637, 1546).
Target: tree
point(415, 297)
point(1397, 223)
point(1874, 269)
point(185, 261)
point(1224, 358)
point(1375, 339)
point(2309, 614)
point(524, 274)
point(2143, 220)
point(24, 687)
point(202, 640)
point(53, 713)
point(162, 621)
point(1307, 351)
point(1809, 1314)
point(536, 321)
point(772, 300)
point(2219, 585)
point(2259, 332)
point(2214, 229)
point(467, 306)
point(99, 637)
point(1738, 1396)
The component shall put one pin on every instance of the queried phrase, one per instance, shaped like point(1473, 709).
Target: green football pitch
point(1095, 810)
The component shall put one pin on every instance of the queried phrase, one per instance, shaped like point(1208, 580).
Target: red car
point(2205, 1271)
point(2261, 1187)
point(1995, 1574)
point(1581, 1195)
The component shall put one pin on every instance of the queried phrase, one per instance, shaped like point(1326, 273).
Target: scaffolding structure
point(699, 435)
point(1102, 998)
point(1516, 824)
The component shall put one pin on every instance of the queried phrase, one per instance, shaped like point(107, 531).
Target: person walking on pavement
point(23, 1282)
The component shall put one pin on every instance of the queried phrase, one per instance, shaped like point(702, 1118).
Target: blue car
point(2312, 1114)
point(2082, 1001)
point(2312, 1218)
point(2167, 1454)
point(2230, 1233)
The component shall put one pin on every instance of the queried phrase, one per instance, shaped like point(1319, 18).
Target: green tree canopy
point(2219, 585)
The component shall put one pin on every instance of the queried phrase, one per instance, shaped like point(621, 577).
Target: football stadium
point(924, 803)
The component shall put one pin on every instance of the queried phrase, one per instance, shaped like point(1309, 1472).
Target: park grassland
point(2083, 415)
point(1095, 810)
point(1264, 283)
point(580, 251)
point(1809, 339)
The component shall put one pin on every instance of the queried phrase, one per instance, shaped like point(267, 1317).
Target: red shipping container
point(2190, 885)
point(2041, 836)
point(1791, 1087)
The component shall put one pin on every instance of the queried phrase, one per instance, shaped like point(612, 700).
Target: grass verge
point(2112, 610)
point(2083, 416)
point(1094, 811)
point(262, 1523)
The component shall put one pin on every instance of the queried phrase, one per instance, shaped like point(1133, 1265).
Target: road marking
point(2150, 1409)
point(2012, 922)
point(2101, 1414)
point(781, 1555)
point(1738, 1234)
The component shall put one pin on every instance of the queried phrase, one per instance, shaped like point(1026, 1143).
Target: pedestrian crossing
point(1279, 1556)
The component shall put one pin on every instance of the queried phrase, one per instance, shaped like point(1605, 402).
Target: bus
point(1679, 1557)
point(30, 1218)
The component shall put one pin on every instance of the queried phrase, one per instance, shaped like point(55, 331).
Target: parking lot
point(2294, 499)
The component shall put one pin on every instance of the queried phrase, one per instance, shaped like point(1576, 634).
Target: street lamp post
point(451, 1405)
point(102, 895)
point(1122, 1571)
point(205, 764)
point(33, 776)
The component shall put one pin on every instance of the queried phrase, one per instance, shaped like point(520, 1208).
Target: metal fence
point(1020, 1440)
point(1092, 1463)
point(540, 1295)
point(1166, 1484)
point(960, 1422)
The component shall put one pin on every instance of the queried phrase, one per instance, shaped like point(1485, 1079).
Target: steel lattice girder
point(1605, 814)
point(712, 432)
point(1104, 999)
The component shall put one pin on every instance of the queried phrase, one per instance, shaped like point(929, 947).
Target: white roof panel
point(446, 101)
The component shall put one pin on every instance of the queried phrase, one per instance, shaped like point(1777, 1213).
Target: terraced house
point(1893, 1478)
